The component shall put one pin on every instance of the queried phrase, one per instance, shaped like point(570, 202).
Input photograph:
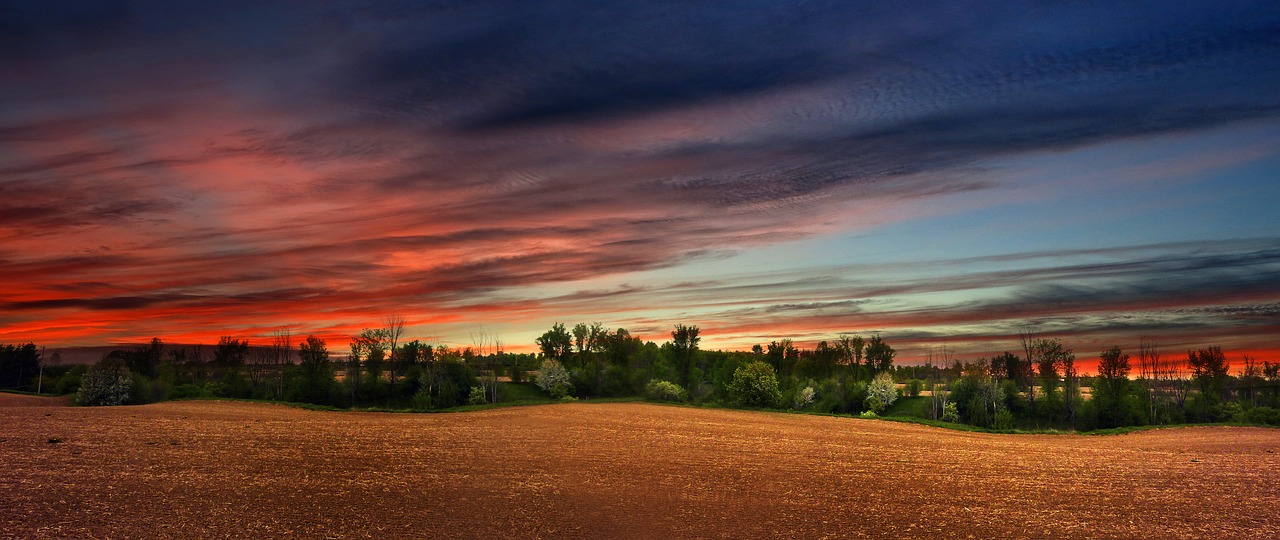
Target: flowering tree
point(553, 379)
point(106, 383)
point(881, 393)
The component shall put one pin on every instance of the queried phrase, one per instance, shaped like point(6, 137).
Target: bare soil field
point(219, 469)
point(23, 400)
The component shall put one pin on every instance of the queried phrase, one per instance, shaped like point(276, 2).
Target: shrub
point(1263, 415)
point(1004, 419)
point(881, 393)
point(914, 386)
point(477, 396)
point(755, 385)
point(804, 397)
point(553, 379)
point(660, 390)
point(106, 383)
point(868, 414)
point(950, 413)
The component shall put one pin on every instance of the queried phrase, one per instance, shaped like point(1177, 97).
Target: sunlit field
point(215, 469)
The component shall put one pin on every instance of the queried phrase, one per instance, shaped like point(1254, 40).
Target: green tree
point(229, 356)
point(849, 349)
point(1209, 367)
point(556, 343)
point(881, 393)
point(879, 354)
point(755, 385)
point(684, 346)
point(108, 382)
point(553, 379)
point(1111, 388)
point(316, 371)
point(19, 364)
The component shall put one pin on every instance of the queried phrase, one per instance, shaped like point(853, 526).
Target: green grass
point(913, 407)
point(29, 393)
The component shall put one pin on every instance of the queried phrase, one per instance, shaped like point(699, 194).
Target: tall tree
point(556, 343)
point(850, 351)
point(1111, 387)
point(281, 351)
point(229, 355)
point(316, 369)
point(1209, 367)
point(1027, 338)
point(1149, 374)
point(684, 343)
point(879, 354)
point(393, 329)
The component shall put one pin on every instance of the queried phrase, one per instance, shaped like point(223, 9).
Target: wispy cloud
point(172, 168)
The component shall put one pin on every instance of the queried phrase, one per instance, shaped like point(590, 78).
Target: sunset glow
point(939, 176)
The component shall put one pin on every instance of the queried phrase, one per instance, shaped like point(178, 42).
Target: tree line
point(1038, 387)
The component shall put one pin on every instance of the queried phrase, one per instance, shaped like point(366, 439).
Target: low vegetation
point(1039, 389)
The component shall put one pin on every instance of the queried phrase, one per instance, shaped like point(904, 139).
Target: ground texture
point(218, 469)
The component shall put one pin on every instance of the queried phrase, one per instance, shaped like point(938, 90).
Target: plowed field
point(214, 469)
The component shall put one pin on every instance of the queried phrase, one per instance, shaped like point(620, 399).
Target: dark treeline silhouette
point(1039, 388)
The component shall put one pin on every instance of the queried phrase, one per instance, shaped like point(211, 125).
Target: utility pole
point(40, 378)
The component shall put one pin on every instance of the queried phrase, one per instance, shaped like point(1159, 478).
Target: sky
point(940, 174)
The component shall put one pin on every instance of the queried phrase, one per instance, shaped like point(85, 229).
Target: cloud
point(192, 164)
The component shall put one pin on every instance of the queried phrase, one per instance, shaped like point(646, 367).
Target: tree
point(488, 349)
point(939, 388)
point(781, 355)
point(553, 379)
point(108, 382)
point(556, 343)
point(1251, 379)
point(1209, 367)
point(1111, 388)
point(393, 330)
point(881, 393)
point(684, 345)
point(145, 360)
point(879, 354)
point(316, 370)
point(18, 364)
point(230, 354)
point(281, 349)
point(1027, 338)
point(849, 350)
point(755, 385)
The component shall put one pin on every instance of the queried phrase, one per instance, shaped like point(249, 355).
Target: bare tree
point(281, 351)
point(259, 359)
point(393, 331)
point(1027, 338)
point(486, 348)
point(1149, 371)
point(1251, 379)
point(939, 386)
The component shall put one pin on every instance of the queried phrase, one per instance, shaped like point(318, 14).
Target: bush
point(881, 393)
point(804, 397)
point(106, 383)
point(1263, 415)
point(950, 413)
point(553, 379)
point(660, 390)
point(855, 396)
point(1004, 419)
point(755, 385)
point(868, 414)
point(477, 396)
point(914, 386)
